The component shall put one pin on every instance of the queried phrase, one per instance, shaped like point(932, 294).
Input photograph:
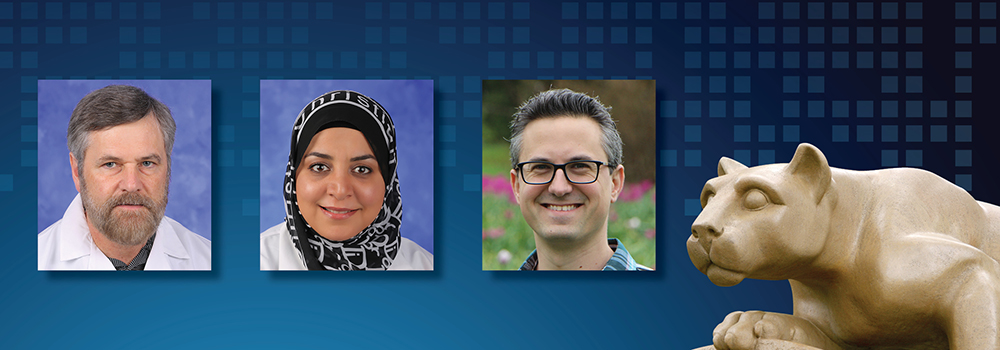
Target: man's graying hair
point(111, 106)
point(566, 102)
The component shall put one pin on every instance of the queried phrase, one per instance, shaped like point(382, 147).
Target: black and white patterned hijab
point(376, 246)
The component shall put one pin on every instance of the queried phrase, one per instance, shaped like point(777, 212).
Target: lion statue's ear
point(810, 164)
point(728, 166)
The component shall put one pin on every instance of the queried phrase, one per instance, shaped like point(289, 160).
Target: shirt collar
point(621, 260)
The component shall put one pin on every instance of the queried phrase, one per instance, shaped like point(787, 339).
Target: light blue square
point(668, 109)
point(595, 60)
point(914, 133)
point(866, 10)
point(988, 10)
point(815, 109)
point(741, 109)
point(201, 59)
point(151, 59)
point(546, 59)
point(790, 35)
point(914, 10)
point(126, 60)
point(866, 109)
point(595, 35)
point(790, 60)
point(521, 59)
point(815, 59)
point(742, 156)
point(595, 10)
point(29, 109)
point(988, 35)
point(914, 158)
point(619, 35)
point(890, 133)
point(692, 84)
point(939, 133)
point(692, 158)
point(914, 35)
point(866, 133)
point(890, 109)
point(495, 59)
point(668, 157)
point(963, 59)
point(7, 183)
point(765, 156)
point(643, 59)
point(570, 59)
point(53, 35)
point(692, 59)
point(840, 35)
point(963, 133)
point(717, 59)
point(741, 59)
point(472, 109)
point(373, 35)
point(522, 10)
point(964, 181)
point(692, 133)
point(939, 109)
point(765, 35)
point(741, 35)
point(963, 158)
point(839, 109)
point(963, 109)
point(644, 10)
point(446, 35)
point(447, 10)
point(127, 35)
point(816, 35)
point(151, 35)
point(890, 10)
point(692, 10)
point(790, 10)
point(963, 10)
point(692, 207)
point(765, 10)
point(841, 133)
point(276, 59)
point(963, 84)
point(790, 85)
point(692, 35)
point(692, 109)
point(472, 84)
point(890, 158)
point(765, 59)
point(717, 10)
point(866, 35)
point(914, 59)
point(717, 35)
point(471, 10)
point(741, 133)
point(716, 109)
point(570, 10)
point(914, 109)
point(349, 60)
point(790, 133)
point(840, 59)
point(963, 35)
point(866, 59)
point(470, 35)
point(717, 84)
point(495, 35)
point(890, 35)
point(815, 10)
point(890, 84)
point(914, 84)
point(741, 84)
point(765, 133)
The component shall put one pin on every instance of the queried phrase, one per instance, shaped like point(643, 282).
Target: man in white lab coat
point(120, 140)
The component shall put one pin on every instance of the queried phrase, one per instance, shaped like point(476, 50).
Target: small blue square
point(692, 158)
point(963, 35)
point(495, 35)
point(7, 183)
point(373, 35)
point(668, 109)
point(963, 10)
point(29, 109)
point(126, 60)
point(29, 10)
point(373, 60)
point(963, 109)
point(765, 35)
point(151, 10)
point(717, 35)
point(127, 35)
point(790, 133)
point(741, 133)
point(472, 84)
point(914, 158)
point(839, 109)
point(790, 84)
point(963, 59)
point(668, 157)
point(717, 10)
point(692, 10)
point(29, 133)
point(522, 10)
point(890, 85)
point(840, 59)
point(790, 10)
point(446, 35)
point(890, 10)
point(692, 207)
point(988, 10)
point(765, 59)
point(373, 10)
point(202, 59)
point(348, 60)
point(964, 181)
point(890, 35)
point(717, 59)
point(914, 84)
point(276, 59)
point(644, 10)
point(151, 35)
point(840, 35)
point(570, 10)
point(717, 84)
point(790, 60)
point(988, 35)
point(890, 109)
point(692, 35)
point(866, 10)
point(790, 35)
point(151, 59)
point(866, 109)
point(570, 59)
point(300, 60)
point(939, 109)
point(251, 35)
point(815, 10)
point(915, 59)
point(939, 133)
point(619, 35)
point(817, 35)
point(815, 59)
point(643, 59)
point(963, 133)
point(595, 35)
point(890, 158)
point(741, 35)
point(866, 133)
point(471, 10)
point(619, 10)
point(546, 59)
point(397, 10)
point(716, 109)
point(692, 109)
point(200, 10)
point(765, 10)
point(692, 59)
point(790, 109)
point(841, 133)
point(595, 60)
point(914, 35)
point(914, 109)
point(866, 35)
point(765, 156)
point(914, 133)
point(741, 59)
point(815, 109)
point(447, 10)
point(741, 109)
point(276, 35)
point(692, 84)
point(963, 158)
point(765, 133)
point(471, 35)
point(692, 133)
point(472, 109)
point(890, 133)
point(6, 35)
point(595, 10)
point(741, 84)
point(963, 84)
point(914, 10)
point(53, 35)
point(495, 59)
point(421, 10)
point(866, 59)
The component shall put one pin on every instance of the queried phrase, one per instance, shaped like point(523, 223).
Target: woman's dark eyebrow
point(360, 158)
point(319, 155)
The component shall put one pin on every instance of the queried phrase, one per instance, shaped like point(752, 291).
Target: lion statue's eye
point(754, 200)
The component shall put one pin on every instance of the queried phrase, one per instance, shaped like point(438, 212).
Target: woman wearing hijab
point(342, 203)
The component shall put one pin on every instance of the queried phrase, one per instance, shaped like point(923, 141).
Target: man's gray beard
point(124, 228)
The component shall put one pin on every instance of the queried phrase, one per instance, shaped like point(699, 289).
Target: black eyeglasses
point(578, 171)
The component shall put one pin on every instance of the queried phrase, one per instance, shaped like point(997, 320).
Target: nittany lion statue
point(885, 259)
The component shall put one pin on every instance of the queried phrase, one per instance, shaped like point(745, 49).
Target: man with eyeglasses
point(566, 158)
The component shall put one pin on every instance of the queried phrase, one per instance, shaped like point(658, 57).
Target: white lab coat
point(67, 245)
point(277, 252)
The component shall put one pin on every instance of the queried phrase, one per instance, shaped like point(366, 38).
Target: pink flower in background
point(504, 256)
point(498, 185)
point(635, 191)
point(493, 232)
point(651, 233)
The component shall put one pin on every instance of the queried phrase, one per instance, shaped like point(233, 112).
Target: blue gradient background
point(190, 103)
point(458, 44)
point(410, 103)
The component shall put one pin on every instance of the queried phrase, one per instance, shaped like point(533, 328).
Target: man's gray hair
point(566, 102)
point(111, 106)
